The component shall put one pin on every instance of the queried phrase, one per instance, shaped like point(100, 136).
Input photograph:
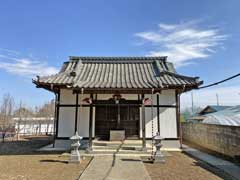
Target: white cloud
point(228, 95)
point(24, 66)
point(167, 26)
point(182, 42)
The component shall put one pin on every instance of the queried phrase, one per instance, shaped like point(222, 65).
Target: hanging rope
point(81, 106)
point(152, 122)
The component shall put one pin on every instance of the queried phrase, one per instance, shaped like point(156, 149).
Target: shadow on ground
point(25, 146)
point(235, 160)
point(53, 161)
point(218, 172)
point(128, 159)
point(181, 166)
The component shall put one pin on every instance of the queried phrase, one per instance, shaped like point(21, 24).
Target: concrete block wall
point(219, 138)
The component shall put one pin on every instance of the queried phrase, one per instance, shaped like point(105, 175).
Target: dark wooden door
point(106, 119)
point(129, 120)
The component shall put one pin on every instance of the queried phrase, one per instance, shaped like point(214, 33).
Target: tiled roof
point(118, 72)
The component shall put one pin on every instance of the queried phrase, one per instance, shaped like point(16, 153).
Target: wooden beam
point(180, 124)
point(55, 119)
point(139, 105)
point(57, 104)
point(118, 116)
point(158, 115)
point(90, 125)
point(178, 118)
point(129, 90)
point(177, 115)
point(143, 126)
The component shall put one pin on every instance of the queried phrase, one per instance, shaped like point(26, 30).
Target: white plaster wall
point(67, 97)
point(168, 122)
point(150, 125)
point(66, 124)
point(167, 97)
point(66, 121)
point(168, 125)
point(83, 121)
point(83, 117)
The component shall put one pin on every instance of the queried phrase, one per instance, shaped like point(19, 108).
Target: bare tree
point(47, 110)
point(6, 112)
point(21, 113)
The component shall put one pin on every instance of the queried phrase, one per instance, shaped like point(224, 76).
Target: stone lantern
point(75, 155)
point(158, 156)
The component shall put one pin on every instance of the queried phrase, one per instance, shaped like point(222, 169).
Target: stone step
point(105, 147)
point(122, 150)
point(107, 143)
point(109, 146)
point(116, 143)
point(120, 147)
point(119, 152)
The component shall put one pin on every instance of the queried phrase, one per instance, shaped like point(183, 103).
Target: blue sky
point(202, 38)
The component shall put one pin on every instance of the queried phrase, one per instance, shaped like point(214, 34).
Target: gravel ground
point(20, 161)
point(179, 166)
point(39, 167)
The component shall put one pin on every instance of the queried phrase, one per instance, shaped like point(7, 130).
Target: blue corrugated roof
point(219, 108)
point(214, 108)
point(232, 110)
point(229, 116)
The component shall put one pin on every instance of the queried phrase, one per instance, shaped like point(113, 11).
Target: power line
point(219, 82)
point(192, 102)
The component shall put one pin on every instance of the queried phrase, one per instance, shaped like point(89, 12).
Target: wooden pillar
point(143, 125)
point(158, 115)
point(177, 107)
point(76, 114)
point(118, 116)
point(57, 112)
point(90, 124)
point(178, 119)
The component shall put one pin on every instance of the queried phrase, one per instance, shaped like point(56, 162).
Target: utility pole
point(192, 103)
point(217, 99)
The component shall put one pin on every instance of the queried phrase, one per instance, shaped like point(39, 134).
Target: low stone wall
point(219, 138)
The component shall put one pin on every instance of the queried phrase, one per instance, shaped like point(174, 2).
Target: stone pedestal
point(158, 156)
point(75, 155)
point(117, 135)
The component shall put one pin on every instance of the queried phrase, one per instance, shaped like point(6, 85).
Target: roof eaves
point(109, 58)
point(178, 75)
